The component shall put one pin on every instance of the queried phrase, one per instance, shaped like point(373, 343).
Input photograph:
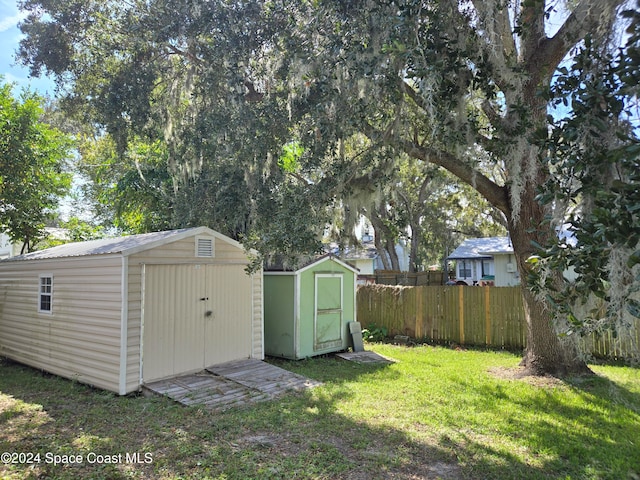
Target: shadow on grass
point(585, 427)
point(329, 368)
point(299, 436)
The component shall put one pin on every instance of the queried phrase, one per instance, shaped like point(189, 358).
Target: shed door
point(228, 327)
point(328, 311)
point(194, 316)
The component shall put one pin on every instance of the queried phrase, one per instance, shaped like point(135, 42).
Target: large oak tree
point(444, 82)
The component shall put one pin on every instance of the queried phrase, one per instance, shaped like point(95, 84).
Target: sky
point(10, 35)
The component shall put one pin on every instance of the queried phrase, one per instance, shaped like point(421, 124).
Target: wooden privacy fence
point(414, 279)
point(471, 315)
point(491, 316)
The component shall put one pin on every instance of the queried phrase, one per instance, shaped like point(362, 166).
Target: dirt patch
point(520, 373)
point(410, 464)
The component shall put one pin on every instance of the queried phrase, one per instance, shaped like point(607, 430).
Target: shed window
point(204, 247)
point(45, 296)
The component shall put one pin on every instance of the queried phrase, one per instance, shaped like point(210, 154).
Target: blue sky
point(10, 35)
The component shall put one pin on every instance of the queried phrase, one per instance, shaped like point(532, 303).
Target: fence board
point(469, 315)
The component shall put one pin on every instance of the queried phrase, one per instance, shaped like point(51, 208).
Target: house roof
point(120, 245)
point(482, 248)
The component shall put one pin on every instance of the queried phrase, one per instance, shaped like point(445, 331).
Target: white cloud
point(7, 23)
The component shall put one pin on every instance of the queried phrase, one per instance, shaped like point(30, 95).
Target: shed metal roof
point(482, 248)
point(119, 245)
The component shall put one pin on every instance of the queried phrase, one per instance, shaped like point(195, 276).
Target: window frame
point(45, 294)
point(464, 267)
point(487, 265)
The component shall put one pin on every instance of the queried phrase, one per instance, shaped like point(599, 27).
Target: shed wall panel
point(229, 327)
point(257, 347)
point(279, 315)
point(184, 251)
point(79, 339)
point(134, 327)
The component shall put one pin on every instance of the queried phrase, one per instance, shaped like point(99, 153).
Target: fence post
point(487, 315)
point(461, 312)
point(419, 315)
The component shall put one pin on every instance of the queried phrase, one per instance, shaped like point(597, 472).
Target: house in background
point(7, 248)
point(365, 257)
point(485, 261)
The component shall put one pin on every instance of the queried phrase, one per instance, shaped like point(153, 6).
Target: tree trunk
point(547, 351)
point(385, 242)
point(416, 233)
point(550, 350)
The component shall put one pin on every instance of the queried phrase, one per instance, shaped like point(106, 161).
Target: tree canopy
point(594, 153)
point(33, 176)
point(455, 84)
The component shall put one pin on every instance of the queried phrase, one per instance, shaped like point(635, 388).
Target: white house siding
point(7, 248)
point(80, 339)
point(505, 278)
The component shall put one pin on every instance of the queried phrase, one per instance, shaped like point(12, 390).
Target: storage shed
point(118, 313)
point(307, 311)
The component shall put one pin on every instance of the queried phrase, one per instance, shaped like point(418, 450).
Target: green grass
point(436, 413)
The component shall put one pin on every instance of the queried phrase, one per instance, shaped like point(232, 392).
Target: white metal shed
point(118, 313)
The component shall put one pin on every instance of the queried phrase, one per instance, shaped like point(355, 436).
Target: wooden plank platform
point(231, 384)
point(262, 376)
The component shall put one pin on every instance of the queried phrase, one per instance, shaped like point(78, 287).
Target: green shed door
point(328, 311)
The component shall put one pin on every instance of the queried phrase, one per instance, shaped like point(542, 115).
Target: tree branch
point(496, 195)
point(497, 24)
point(183, 53)
point(412, 94)
point(589, 16)
point(496, 119)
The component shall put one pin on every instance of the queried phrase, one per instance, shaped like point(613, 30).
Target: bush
point(374, 333)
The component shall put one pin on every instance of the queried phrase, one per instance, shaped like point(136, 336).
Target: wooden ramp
point(262, 376)
point(232, 384)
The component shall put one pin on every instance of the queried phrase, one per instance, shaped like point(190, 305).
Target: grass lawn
point(436, 413)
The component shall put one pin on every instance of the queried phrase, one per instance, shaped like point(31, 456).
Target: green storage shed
point(307, 311)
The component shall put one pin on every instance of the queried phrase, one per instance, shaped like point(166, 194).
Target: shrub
point(374, 333)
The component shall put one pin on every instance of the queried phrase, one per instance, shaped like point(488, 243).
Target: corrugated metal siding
point(80, 338)
point(195, 316)
point(238, 297)
point(228, 330)
point(257, 348)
